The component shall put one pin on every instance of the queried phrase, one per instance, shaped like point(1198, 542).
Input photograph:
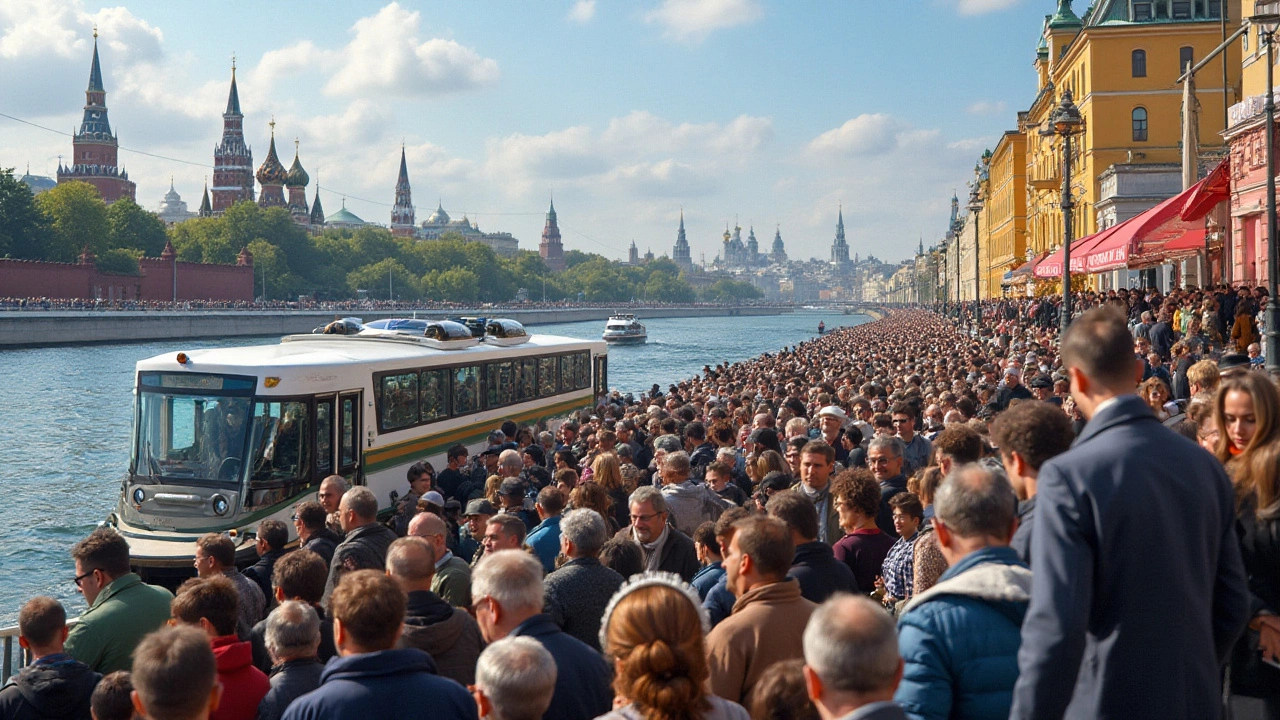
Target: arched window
point(1139, 124)
point(1139, 63)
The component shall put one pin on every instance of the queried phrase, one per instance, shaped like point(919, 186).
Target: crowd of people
point(895, 520)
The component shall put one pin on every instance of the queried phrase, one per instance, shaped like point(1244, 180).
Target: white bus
point(226, 438)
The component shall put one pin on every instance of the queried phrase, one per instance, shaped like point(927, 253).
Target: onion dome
point(272, 172)
point(439, 217)
point(297, 177)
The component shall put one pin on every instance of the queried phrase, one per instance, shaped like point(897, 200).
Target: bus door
point(602, 376)
point(324, 436)
point(348, 429)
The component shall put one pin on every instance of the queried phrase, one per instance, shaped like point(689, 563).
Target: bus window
point(500, 384)
point(280, 442)
point(527, 380)
point(435, 395)
point(566, 372)
point(546, 376)
point(324, 437)
point(466, 390)
point(602, 376)
point(349, 426)
point(398, 401)
point(581, 370)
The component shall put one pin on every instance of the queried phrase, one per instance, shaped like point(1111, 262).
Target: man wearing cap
point(1042, 389)
point(1013, 389)
point(511, 494)
point(477, 515)
point(831, 421)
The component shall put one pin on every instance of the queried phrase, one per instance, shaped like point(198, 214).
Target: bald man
point(452, 580)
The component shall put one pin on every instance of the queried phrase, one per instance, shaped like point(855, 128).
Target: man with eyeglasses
point(122, 608)
point(916, 448)
point(885, 458)
point(665, 548)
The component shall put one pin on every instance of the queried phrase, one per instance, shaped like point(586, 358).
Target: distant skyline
point(763, 112)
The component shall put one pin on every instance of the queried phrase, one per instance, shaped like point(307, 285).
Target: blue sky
point(765, 111)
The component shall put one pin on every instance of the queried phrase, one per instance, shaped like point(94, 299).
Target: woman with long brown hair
point(606, 471)
point(1247, 413)
point(654, 629)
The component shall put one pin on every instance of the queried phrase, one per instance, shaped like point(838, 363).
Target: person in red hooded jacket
point(211, 604)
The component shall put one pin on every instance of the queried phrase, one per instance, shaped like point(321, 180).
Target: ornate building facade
point(402, 211)
point(232, 158)
point(272, 176)
point(839, 247)
point(95, 149)
point(551, 249)
point(296, 181)
point(778, 254)
point(680, 253)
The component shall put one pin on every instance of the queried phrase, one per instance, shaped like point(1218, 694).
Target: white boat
point(624, 328)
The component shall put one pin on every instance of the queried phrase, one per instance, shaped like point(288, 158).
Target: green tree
point(24, 230)
point(667, 287)
point(129, 226)
point(728, 291)
point(268, 270)
point(118, 261)
point(78, 219)
point(381, 279)
point(456, 284)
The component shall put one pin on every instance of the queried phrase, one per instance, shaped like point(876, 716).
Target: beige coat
point(765, 627)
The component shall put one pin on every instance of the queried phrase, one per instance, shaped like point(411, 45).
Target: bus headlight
point(220, 505)
point(138, 496)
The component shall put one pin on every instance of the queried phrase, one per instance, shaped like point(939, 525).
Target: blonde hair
point(607, 472)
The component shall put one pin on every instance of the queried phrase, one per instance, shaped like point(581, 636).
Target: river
point(66, 421)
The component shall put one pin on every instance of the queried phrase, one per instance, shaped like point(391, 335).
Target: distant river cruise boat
point(624, 328)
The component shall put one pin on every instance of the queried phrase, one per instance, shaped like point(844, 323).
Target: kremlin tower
point(94, 147)
point(840, 248)
point(296, 181)
point(402, 211)
point(272, 176)
point(680, 253)
point(232, 158)
point(551, 249)
point(317, 212)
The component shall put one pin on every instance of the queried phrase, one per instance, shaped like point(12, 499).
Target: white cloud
point(583, 11)
point(981, 7)
point(387, 57)
point(987, 107)
point(866, 134)
point(691, 21)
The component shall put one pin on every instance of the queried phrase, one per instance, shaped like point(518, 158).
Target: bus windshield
point(185, 436)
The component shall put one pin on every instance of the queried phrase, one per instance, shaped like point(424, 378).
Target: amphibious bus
point(225, 438)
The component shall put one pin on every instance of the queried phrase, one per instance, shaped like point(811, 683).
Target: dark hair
point(418, 469)
point(219, 547)
point(908, 503)
point(817, 447)
point(705, 535)
point(509, 428)
point(623, 556)
point(724, 525)
point(512, 525)
point(1099, 344)
point(174, 672)
point(858, 489)
point(854, 433)
point(776, 480)
point(551, 499)
point(370, 607)
point(111, 697)
point(212, 598)
point(780, 694)
point(301, 574)
point(719, 467)
point(695, 431)
point(767, 541)
point(962, 443)
point(1035, 430)
point(273, 533)
point(567, 456)
point(797, 511)
point(104, 549)
point(312, 515)
point(41, 620)
point(458, 451)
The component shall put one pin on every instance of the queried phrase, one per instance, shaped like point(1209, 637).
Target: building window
point(1215, 8)
point(1142, 11)
point(1181, 9)
point(1139, 124)
point(1186, 58)
point(1139, 63)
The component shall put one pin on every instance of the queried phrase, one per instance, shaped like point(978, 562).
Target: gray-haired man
point(851, 661)
point(578, 592)
point(293, 638)
point(665, 548)
point(515, 679)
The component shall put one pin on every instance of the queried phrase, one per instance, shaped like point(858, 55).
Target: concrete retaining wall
point(35, 328)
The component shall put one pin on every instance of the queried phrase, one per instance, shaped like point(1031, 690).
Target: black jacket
point(678, 554)
point(1260, 546)
point(819, 573)
point(260, 572)
point(583, 679)
point(58, 687)
point(364, 548)
point(889, 488)
point(323, 543)
point(289, 682)
point(258, 642)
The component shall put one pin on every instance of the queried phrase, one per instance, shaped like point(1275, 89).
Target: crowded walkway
point(931, 515)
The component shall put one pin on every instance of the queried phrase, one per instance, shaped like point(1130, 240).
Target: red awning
point(1051, 265)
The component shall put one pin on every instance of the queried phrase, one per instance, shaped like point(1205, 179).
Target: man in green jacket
point(122, 608)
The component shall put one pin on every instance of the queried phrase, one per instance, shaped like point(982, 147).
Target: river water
point(65, 420)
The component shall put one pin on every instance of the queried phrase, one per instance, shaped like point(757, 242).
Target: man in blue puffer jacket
point(959, 639)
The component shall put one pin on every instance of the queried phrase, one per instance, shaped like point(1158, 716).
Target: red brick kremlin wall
point(195, 281)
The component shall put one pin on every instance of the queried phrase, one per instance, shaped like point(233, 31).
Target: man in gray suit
point(1138, 592)
point(851, 661)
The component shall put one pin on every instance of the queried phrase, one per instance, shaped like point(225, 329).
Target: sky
point(772, 114)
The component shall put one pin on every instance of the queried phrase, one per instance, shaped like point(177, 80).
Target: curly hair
point(858, 490)
point(656, 636)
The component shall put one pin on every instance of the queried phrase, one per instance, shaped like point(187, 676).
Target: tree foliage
point(77, 218)
point(131, 227)
point(24, 230)
point(118, 261)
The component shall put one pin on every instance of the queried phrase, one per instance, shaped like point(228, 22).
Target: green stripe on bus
point(402, 452)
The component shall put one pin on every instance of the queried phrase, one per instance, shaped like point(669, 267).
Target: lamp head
point(1266, 14)
point(975, 200)
point(1066, 118)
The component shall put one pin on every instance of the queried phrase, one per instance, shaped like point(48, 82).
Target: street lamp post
point(975, 206)
point(1065, 121)
point(1267, 18)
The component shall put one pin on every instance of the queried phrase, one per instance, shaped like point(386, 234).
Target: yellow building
point(1121, 62)
point(1005, 215)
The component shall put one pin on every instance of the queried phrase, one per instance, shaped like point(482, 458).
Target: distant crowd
point(895, 520)
point(42, 304)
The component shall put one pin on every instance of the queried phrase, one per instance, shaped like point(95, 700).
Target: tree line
point(289, 261)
